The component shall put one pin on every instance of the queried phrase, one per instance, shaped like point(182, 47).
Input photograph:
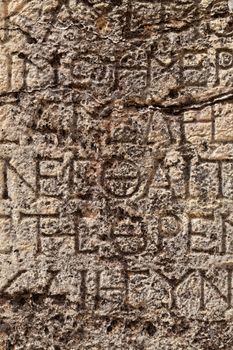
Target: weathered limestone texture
point(116, 175)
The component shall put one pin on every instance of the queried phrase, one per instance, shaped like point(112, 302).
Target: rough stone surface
point(116, 175)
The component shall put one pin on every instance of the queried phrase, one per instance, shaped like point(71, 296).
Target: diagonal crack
point(177, 108)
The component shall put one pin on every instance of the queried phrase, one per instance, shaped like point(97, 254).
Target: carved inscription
point(116, 167)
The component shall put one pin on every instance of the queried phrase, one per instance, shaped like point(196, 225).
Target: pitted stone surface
point(116, 174)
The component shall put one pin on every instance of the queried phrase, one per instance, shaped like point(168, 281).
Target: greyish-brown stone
point(116, 175)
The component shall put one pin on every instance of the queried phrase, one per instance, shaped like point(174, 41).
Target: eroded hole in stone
point(150, 328)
